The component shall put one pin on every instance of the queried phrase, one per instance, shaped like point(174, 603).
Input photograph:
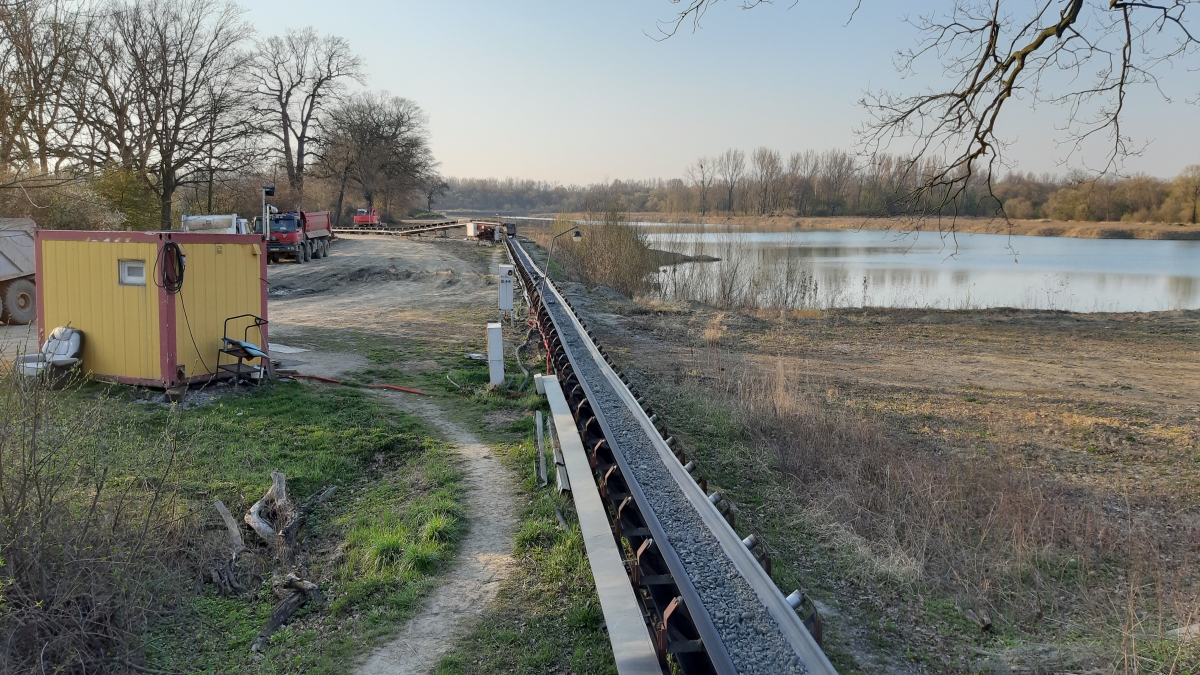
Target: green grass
point(547, 617)
point(374, 548)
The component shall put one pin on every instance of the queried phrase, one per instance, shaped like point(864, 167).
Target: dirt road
point(399, 288)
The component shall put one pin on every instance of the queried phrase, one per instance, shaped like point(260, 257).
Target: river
point(849, 268)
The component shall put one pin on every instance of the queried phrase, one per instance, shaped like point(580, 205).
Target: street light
point(267, 191)
point(577, 237)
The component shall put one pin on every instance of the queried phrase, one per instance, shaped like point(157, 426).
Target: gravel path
point(484, 557)
point(753, 638)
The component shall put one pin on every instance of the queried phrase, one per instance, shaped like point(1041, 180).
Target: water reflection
point(855, 268)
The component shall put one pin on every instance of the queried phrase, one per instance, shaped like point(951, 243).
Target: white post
point(495, 344)
point(506, 290)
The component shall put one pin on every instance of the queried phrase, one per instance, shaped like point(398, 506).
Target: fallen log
point(301, 592)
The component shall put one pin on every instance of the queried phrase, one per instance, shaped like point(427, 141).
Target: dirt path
point(484, 558)
point(403, 289)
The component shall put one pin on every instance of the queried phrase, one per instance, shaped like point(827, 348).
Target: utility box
point(110, 285)
point(506, 288)
point(495, 346)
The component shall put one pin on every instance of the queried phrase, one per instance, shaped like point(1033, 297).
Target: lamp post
point(577, 237)
point(267, 191)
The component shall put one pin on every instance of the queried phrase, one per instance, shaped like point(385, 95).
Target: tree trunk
point(168, 191)
point(337, 217)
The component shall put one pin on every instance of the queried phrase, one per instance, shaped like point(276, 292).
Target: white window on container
point(133, 272)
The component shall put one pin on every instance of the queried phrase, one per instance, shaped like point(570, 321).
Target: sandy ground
point(395, 286)
point(17, 339)
point(399, 287)
point(1040, 228)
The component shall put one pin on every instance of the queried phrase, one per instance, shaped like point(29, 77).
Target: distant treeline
point(836, 183)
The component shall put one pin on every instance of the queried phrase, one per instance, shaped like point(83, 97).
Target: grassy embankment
point(546, 617)
point(373, 548)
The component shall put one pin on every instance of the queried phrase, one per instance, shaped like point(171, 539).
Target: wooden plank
point(632, 645)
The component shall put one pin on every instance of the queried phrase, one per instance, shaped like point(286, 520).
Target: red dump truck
point(366, 217)
point(302, 235)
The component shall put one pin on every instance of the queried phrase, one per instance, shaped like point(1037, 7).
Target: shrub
point(84, 556)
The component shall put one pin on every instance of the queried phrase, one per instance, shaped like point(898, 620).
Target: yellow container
point(136, 330)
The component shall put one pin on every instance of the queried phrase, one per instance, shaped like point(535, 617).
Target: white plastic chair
point(60, 352)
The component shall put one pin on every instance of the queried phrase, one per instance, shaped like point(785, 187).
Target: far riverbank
point(1037, 228)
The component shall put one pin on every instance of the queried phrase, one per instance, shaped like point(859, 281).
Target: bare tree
point(378, 143)
point(835, 172)
point(1087, 58)
point(165, 101)
point(731, 167)
point(40, 58)
point(767, 167)
point(433, 185)
point(296, 76)
point(702, 174)
point(1187, 187)
point(801, 176)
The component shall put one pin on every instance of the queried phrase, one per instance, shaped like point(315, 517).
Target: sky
point(578, 92)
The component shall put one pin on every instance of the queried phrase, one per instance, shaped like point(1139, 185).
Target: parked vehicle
point(18, 294)
point(303, 235)
point(485, 230)
point(215, 224)
point(366, 217)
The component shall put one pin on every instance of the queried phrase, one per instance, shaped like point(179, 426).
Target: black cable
point(169, 274)
point(170, 267)
point(193, 337)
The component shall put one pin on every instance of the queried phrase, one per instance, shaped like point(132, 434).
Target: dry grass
point(1037, 556)
point(612, 253)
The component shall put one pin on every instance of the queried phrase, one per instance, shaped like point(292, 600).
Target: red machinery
point(366, 217)
point(304, 235)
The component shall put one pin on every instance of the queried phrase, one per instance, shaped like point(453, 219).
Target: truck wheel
point(317, 252)
point(20, 301)
point(307, 248)
point(299, 255)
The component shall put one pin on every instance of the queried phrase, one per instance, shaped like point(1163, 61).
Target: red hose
point(372, 386)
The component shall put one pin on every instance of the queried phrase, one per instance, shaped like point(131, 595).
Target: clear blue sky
point(576, 92)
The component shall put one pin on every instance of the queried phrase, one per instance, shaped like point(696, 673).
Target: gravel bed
point(751, 635)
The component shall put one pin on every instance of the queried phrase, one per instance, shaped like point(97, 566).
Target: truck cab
point(302, 235)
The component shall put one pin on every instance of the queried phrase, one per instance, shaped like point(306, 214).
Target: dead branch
point(277, 520)
point(235, 534)
point(301, 592)
point(274, 506)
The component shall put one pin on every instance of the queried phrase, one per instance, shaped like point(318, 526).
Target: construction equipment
point(18, 293)
point(215, 224)
point(366, 217)
point(302, 235)
point(490, 230)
